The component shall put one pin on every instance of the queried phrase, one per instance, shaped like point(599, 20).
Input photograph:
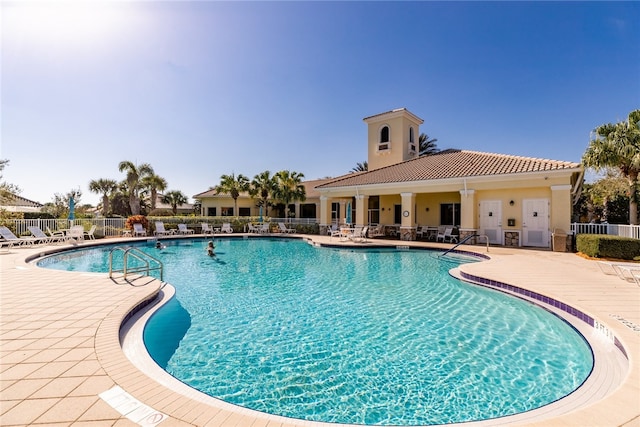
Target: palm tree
point(361, 167)
point(104, 187)
point(617, 145)
point(263, 186)
point(135, 174)
point(154, 183)
point(427, 146)
point(233, 185)
point(174, 198)
point(289, 188)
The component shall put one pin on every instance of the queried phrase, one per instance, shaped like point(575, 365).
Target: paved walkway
point(60, 347)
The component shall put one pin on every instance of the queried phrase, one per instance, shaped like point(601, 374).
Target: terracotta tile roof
point(451, 164)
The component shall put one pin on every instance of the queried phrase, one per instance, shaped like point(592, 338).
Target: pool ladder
point(149, 262)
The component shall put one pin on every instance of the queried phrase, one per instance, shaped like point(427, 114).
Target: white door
point(491, 220)
point(535, 222)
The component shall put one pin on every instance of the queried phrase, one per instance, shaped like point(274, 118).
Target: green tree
point(361, 167)
point(154, 183)
point(617, 145)
point(135, 175)
point(289, 188)
point(7, 191)
point(174, 198)
point(427, 146)
point(104, 187)
point(263, 186)
point(233, 185)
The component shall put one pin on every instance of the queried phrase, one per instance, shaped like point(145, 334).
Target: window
point(308, 210)
point(374, 209)
point(450, 214)
point(384, 134)
point(335, 212)
point(412, 143)
point(397, 214)
point(411, 140)
point(211, 211)
point(244, 211)
point(226, 211)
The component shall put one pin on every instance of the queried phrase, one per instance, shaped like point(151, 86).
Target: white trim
point(561, 187)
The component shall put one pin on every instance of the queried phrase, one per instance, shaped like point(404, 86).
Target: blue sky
point(201, 89)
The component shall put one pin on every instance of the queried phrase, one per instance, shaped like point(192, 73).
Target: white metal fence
point(104, 226)
point(622, 230)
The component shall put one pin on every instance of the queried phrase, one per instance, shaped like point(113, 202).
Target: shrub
point(605, 246)
point(141, 219)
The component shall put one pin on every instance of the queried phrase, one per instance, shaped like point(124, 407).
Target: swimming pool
point(365, 337)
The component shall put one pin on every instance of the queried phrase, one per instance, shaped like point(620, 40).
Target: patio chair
point(226, 228)
point(20, 241)
point(332, 229)
point(284, 229)
point(252, 228)
point(206, 228)
point(76, 232)
point(160, 230)
point(182, 229)
point(57, 233)
point(422, 232)
point(360, 234)
point(264, 228)
point(447, 235)
point(89, 233)
point(377, 231)
point(138, 230)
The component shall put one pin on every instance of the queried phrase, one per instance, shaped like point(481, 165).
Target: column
point(408, 225)
point(362, 209)
point(325, 214)
point(560, 215)
point(468, 226)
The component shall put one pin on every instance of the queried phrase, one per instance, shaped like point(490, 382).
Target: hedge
point(605, 246)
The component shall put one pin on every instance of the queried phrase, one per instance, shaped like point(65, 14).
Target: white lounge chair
point(284, 229)
point(138, 230)
point(252, 228)
point(182, 229)
point(161, 231)
point(8, 236)
point(226, 228)
point(89, 233)
point(44, 238)
point(332, 230)
point(206, 228)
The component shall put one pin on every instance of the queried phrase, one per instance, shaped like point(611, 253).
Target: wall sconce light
point(511, 203)
point(383, 209)
point(426, 209)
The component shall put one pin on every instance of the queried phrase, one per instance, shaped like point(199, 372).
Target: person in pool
point(211, 249)
point(160, 245)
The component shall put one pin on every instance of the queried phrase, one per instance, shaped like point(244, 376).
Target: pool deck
point(60, 347)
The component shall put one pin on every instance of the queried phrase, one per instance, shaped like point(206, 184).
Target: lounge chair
point(332, 229)
point(264, 228)
point(89, 233)
point(138, 230)
point(284, 229)
point(15, 240)
point(206, 228)
point(182, 229)
point(44, 238)
point(160, 230)
point(226, 228)
point(252, 228)
point(57, 233)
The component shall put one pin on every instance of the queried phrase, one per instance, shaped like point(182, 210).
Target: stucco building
point(512, 200)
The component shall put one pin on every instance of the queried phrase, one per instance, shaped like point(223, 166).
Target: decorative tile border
point(549, 301)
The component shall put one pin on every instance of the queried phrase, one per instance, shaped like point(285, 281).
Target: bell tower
point(392, 137)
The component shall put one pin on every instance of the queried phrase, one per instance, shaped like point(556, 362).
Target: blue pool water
point(351, 336)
